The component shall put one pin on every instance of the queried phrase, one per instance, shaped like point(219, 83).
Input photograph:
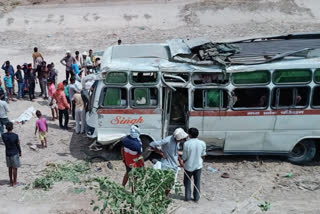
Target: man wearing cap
point(132, 152)
point(67, 61)
point(169, 150)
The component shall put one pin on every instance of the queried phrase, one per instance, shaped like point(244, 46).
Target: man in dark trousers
point(193, 152)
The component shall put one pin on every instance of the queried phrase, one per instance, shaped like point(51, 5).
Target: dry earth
point(57, 25)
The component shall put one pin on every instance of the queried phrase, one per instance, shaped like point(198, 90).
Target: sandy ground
point(76, 25)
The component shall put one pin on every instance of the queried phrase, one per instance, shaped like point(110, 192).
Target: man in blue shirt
point(193, 152)
point(7, 67)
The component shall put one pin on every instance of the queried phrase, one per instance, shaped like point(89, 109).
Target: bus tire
point(303, 152)
point(146, 152)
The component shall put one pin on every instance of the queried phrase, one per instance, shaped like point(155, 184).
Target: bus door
point(175, 104)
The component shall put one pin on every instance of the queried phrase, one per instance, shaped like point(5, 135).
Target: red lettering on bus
point(125, 120)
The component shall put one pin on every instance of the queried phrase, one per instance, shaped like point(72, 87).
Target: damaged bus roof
point(296, 50)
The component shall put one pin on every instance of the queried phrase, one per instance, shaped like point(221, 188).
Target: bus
point(264, 101)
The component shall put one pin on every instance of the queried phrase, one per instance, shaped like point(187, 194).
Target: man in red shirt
point(132, 152)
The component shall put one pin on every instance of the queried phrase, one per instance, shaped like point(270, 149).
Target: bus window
point(144, 77)
point(116, 77)
point(316, 97)
point(144, 97)
point(254, 77)
point(295, 97)
point(251, 98)
point(317, 75)
point(292, 76)
point(210, 78)
point(210, 98)
point(114, 97)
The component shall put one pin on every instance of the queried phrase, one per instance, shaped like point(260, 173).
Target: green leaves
point(149, 187)
point(264, 207)
point(61, 172)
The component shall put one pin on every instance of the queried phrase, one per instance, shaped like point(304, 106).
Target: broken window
point(176, 77)
point(144, 97)
point(116, 77)
point(292, 76)
point(317, 75)
point(210, 78)
point(115, 97)
point(254, 77)
point(144, 77)
point(210, 98)
point(251, 98)
point(316, 96)
point(290, 97)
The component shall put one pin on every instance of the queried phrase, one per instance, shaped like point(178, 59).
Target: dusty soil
point(57, 25)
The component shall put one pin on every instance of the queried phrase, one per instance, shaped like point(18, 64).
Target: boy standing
point(13, 152)
point(8, 84)
point(42, 126)
point(18, 77)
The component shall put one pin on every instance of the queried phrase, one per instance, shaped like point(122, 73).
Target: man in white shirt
point(193, 152)
point(3, 113)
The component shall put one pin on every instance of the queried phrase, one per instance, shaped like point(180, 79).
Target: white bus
point(264, 103)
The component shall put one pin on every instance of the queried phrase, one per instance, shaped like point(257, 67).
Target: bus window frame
point(144, 84)
point(173, 73)
point(206, 108)
point(251, 84)
point(311, 100)
point(117, 84)
point(292, 83)
point(143, 107)
point(314, 76)
point(252, 108)
point(102, 95)
point(208, 84)
point(289, 107)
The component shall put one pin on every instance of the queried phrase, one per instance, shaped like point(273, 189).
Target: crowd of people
point(64, 98)
point(69, 97)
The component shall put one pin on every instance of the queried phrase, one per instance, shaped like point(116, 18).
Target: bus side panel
point(289, 129)
point(284, 140)
point(149, 124)
point(207, 132)
point(298, 122)
point(246, 133)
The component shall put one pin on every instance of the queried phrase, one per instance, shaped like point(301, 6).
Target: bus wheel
point(146, 152)
point(303, 152)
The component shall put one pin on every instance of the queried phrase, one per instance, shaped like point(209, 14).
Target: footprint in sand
point(61, 20)
point(49, 18)
point(10, 21)
point(129, 17)
point(96, 16)
point(147, 16)
point(85, 17)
